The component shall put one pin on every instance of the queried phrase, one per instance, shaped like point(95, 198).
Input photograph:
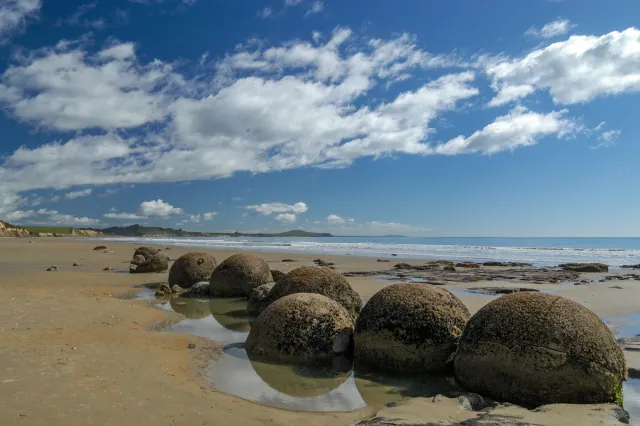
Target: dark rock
point(469, 265)
point(402, 266)
point(534, 349)
point(277, 275)
point(507, 264)
point(163, 290)
point(410, 328)
point(258, 299)
point(320, 262)
point(108, 268)
point(200, 289)
point(192, 268)
point(383, 260)
point(191, 346)
point(360, 274)
point(52, 269)
point(394, 255)
point(238, 275)
point(318, 280)
point(76, 264)
point(631, 266)
point(100, 248)
point(449, 268)
point(288, 260)
point(634, 373)
point(585, 267)
point(153, 264)
point(301, 327)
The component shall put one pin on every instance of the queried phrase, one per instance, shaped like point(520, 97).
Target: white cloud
point(14, 15)
point(196, 218)
point(608, 138)
point(551, 30)
point(66, 88)
point(78, 194)
point(335, 220)
point(269, 208)
point(316, 7)
point(286, 218)
point(19, 214)
point(159, 208)
point(518, 128)
point(267, 12)
point(576, 70)
point(124, 216)
point(209, 216)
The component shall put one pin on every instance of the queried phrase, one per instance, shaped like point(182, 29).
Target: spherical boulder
point(409, 328)
point(318, 280)
point(533, 349)
point(258, 298)
point(156, 263)
point(238, 275)
point(191, 269)
point(301, 327)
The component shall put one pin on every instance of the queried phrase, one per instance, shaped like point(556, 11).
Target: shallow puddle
point(330, 388)
point(628, 326)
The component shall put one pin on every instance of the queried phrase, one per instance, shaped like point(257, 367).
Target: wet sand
point(74, 350)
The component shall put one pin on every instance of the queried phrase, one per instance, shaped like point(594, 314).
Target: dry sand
point(74, 352)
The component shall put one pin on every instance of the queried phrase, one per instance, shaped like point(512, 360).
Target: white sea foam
point(361, 247)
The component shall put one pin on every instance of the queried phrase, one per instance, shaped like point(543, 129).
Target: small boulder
point(238, 275)
point(108, 268)
point(148, 260)
point(449, 268)
point(301, 327)
point(318, 280)
point(258, 299)
point(383, 261)
point(192, 268)
point(199, 289)
point(320, 262)
point(52, 269)
point(469, 265)
point(76, 264)
point(410, 328)
point(585, 267)
point(100, 248)
point(163, 290)
point(288, 260)
point(533, 349)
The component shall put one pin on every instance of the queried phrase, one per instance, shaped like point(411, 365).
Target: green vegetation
point(146, 231)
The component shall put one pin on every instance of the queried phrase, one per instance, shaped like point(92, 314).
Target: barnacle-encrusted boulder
point(238, 275)
point(533, 349)
point(318, 280)
point(301, 327)
point(258, 298)
point(191, 269)
point(410, 328)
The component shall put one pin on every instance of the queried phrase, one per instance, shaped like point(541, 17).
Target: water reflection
point(231, 313)
point(191, 308)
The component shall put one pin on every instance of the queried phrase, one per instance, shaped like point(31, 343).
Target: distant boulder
point(147, 260)
point(100, 248)
point(449, 268)
point(585, 267)
point(237, 275)
point(191, 269)
point(469, 265)
point(631, 266)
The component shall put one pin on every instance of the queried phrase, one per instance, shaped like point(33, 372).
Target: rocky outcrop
point(534, 349)
point(301, 327)
point(191, 269)
point(410, 328)
point(318, 280)
point(469, 265)
point(85, 233)
point(631, 266)
point(14, 232)
point(237, 275)
point(147, 260)
point(585, 267)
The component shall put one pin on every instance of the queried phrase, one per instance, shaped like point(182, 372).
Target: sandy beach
point(76, 350)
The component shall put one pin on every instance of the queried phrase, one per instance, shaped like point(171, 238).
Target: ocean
point(538, 251)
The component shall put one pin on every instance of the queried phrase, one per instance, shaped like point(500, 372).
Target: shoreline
point(87, 341)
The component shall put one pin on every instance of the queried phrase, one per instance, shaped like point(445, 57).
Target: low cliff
point(7, 230)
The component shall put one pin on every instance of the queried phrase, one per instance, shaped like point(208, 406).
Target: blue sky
point(429, 118)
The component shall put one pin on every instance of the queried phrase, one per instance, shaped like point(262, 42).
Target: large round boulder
point(318, 280)
point(410, 328)
point(238, 275)
point(191, 269)
point(534, 349)
point(301, 327)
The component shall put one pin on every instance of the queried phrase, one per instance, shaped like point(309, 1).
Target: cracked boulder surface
point(534, 349)
point(410, 328)
point(301, 327)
